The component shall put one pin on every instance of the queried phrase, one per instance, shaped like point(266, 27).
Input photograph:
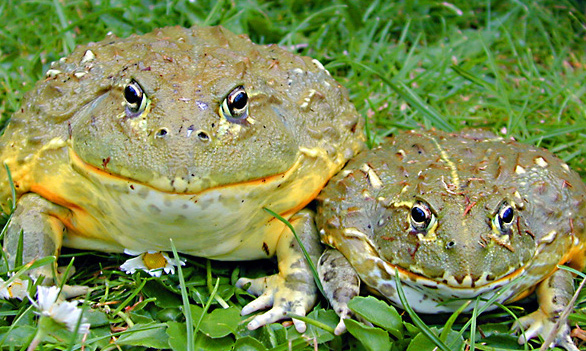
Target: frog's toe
point(531, 325)
point(257, 286)
point(341, 327)
point(348, 314)
point(71, 291)
point(263, 302)
point(278, 313)
point(538, 324)
point(284, 299)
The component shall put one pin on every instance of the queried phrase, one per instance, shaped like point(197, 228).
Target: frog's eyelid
point(498, 208)
point(431, 208)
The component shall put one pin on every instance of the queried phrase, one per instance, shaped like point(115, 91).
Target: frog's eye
point(235, 106)
point(504, 217)
point(135, 98)
point(421, 216)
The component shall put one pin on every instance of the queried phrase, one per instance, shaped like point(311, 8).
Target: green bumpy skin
point(183, 135)
point(458, 216)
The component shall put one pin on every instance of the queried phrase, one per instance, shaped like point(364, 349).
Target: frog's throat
point(111, 213)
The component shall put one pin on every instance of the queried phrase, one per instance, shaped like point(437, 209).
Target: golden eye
point(136, 100)
point(235, 106)
point(421, 216)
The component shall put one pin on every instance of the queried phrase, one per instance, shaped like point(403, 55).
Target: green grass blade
point(287, 38)
point(450, 322)
point(411, 97)
point(130, 297)
point(207, 305)
point(425, 330)
point(68, 41)
point(312, 322)
point(185, 299)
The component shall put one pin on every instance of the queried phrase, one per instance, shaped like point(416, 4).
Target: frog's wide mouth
point(176, 185)
point(465, 284)
point(377, 270)
point(433, 296)
point(514, 285)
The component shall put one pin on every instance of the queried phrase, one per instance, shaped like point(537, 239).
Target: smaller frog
point(458, 216)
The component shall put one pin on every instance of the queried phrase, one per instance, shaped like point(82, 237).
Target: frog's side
point(458, 216)
point(182, 134)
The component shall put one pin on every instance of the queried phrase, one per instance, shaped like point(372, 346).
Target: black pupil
point(418, 215)
point(507, 215)
point(240, 101)
point(132, 94)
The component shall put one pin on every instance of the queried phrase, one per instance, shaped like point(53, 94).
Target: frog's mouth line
point(523, 280)
point(91, 172)
point(467, 284)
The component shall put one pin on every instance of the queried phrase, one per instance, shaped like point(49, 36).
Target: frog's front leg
point(293, 289)
point(340, 282)
point(36, 222)
point(554, 295)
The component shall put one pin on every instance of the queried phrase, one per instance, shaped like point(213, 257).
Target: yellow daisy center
point(154, 260)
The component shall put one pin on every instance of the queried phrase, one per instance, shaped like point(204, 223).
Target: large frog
point(457, 216)
point(180, 135)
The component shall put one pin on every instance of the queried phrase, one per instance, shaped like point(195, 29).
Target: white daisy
point(62, 312)
point(17, 289)
point(152, 262)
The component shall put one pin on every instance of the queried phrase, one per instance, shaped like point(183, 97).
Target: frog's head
point(184, 110)
point(474, 211)
point(462, 237)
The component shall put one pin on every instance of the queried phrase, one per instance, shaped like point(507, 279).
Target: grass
point(516, 68)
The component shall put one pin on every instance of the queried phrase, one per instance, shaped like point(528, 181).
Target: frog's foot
point(283, 296)
point(50, 278)
point(549, 321)
point(70, 291)
point(539, 324)
point(36, 231)
point(340, 283)
point(293, 289)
